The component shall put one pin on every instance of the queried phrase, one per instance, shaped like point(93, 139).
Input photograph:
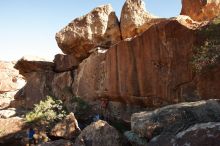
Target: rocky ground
point(160, 78)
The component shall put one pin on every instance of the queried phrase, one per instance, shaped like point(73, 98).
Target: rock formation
point(174, 118)
point(65, 62)
point(199, 134)
point(201, 10)
point(68, 128)
point(135, 19)
point(98, 28)
point(10, 80)
point(60, 142)
point(98, 134)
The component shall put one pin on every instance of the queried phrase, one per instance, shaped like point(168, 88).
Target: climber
point(30, 134)
point(104, 108)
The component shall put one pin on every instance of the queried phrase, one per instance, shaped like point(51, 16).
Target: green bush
point(208, 53)
point(48, 110)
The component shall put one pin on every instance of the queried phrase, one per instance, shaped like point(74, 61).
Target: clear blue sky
point(28, 27)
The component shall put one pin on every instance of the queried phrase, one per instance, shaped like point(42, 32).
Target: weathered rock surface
point(60, 142)
point(90, 77)
point(174, 118)
point(10, 128)
point(68, 128)
point(134, 72)
point(10, 80)
point(198, 134)
point(198, 10)
point(153, 69)
point(65, 62)
point(42, 81)
point(135, 19)
point(30, 64)
point(99, 133)
point(98, 28)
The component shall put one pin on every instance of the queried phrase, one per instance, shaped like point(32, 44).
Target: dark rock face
point(205, 134)
point(65, 62)
point(172, 119)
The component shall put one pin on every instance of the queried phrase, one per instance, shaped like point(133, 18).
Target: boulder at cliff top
point(135, 19)
point(205, 134)
point(30, 64)
point(99, 133)
point(68, 128)
point(98, 28)
point(172, 119)
point(201, 10)
point(65, 62)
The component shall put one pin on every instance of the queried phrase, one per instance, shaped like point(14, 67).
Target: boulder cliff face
point(147, 70)
point(201, 10)
point(42, 81)
point(98, 28)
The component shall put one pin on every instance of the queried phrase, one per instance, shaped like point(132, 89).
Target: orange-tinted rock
point(201, 10)
point(100, 27)
point(153, 69)
point(148, 70)
point(65, 62)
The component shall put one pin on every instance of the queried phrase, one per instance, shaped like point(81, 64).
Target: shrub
point(48, 110)
point(208, 53)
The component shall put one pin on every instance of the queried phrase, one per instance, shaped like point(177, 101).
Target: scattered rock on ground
point(99, 133)
point(67, 128)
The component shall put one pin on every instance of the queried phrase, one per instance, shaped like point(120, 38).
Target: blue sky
point(28, 27)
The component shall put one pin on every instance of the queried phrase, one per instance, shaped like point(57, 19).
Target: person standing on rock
point(30, 134)
point(104, 108)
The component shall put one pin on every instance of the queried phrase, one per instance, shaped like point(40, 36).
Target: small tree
point(48, 110)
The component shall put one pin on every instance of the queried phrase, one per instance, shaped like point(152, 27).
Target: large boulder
point(201, 10)
point(10, 80)
point(65, 62)
point(67, 128)
point(28, 64)
point(205, 134)
point(99, 133)
point(135, 19)
point(172, 119)
point(100, 27)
